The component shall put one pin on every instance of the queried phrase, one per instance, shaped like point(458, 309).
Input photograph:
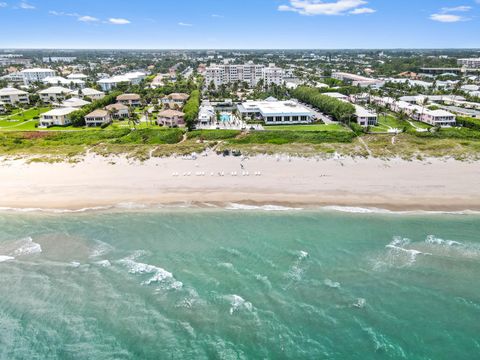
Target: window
point(278, 118)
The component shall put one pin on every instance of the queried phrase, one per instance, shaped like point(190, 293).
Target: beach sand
point(433, 184)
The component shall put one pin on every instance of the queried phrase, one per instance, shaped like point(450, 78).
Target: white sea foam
point(4, 258)
point(75, 264)
point(54, 211)
point(431, 239)
point(238, 303)
point(158, 275)
point(360, 303)
point(228, 266)
point(101, 249)
point(332, 284)
point(103, 263)
point(236, 206)
point(373, 210)
point(27, 247)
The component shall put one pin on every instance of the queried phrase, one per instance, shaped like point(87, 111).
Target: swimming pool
point(225, 117)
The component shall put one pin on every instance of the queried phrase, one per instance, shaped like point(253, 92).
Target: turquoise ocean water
point(236, 284)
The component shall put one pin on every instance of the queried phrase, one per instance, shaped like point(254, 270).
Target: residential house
point(92, 94)
point(206, 114)
point(171, 118)
point(74, 102)
point(118, 111)
point(2, 107)
point(13, 96)
point(59, 117)
point(54, 94)
point(274, 112)
point(97, 117)
point(129, 99)
point(175, 100)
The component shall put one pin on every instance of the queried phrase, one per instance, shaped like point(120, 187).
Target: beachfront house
point(206, 114)
point(365, 117)
point(118, 111)
point(175, 100)
point(172, 118)
point(58, 117)
point(74, 102)
point(13, 97)
point(97, 118)
point(276, 112)
point(129, 99)
point(54, 94)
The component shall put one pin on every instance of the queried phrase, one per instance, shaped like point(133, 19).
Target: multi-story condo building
point(54, 94)
point(13, 96)
point(472, 63)
point(59, 117)
point(133, 78)
point(56, 59)
point(274, 112)
point(249, 73)
point(36, 75)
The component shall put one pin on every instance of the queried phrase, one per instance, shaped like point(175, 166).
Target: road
point(319, 115)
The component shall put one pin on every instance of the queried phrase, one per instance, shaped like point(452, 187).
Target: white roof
point(55, 90)
point(114, 79)
point(74, 102)
point(77, 76)
point(272, 108)
point(335, 95)
point(12, 91)
point(90, 91)
point(60, 111)
point(438, 112)
point(35, 70)
point(362, 112)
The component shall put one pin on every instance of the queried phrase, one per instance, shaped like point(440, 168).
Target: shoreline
point(108, 182)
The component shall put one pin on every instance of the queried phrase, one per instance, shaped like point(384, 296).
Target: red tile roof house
point(171, 118)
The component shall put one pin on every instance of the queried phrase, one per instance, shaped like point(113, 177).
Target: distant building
point(357, 80)
point(13, 96)
point(97, 118)
point(472, 63)
point(74, 103)
point(133, 78)
point(249, 73)
point(171, 118)
point(277, 112)
point(36, 75)
point(57, 59)
point(129, 99)
point(61, 81)
point(59, 117)
point(77, 76)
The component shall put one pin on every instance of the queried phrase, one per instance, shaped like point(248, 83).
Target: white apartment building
point(133, 78)
point(13, 96)
point(92, 93)
point(357, 79)
point(417, 112)
point(59, 117)
point(472, 63)
point(61, 81)
point(56, 59)
point(249, 73)
point(365, 117)
point(97, 118)
point(54, 94)
point(277, 112)
point(36, 75)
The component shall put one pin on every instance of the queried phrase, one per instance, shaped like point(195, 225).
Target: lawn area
point(389, 122)
point(22, 120)
point(312, 127)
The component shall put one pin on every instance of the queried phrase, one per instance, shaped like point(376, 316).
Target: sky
point(239, 24)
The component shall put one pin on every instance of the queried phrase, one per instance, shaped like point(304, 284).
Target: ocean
point(242, 282)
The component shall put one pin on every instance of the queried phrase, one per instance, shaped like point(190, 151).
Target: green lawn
point(22, 120)
point(313, 127)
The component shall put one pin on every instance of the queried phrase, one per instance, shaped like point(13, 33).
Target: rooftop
point(12, 91)
point(60, 111)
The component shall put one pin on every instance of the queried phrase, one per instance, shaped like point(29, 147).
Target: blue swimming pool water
point(225, 117)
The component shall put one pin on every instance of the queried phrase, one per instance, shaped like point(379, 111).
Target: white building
point(277, 112)
point(57, 59)
point(74, 103)
point(365, 117)
point(59, 117)
point(249, 73)
point(13, 96)
point(417, 112)
point(206, 114)
point(2, 107)
point(473, 63)
point(97, 118)
point(54, 94)
point(77, 76)
point(359, 80)
point(133, 78)
point(36, 75)
point(92, 93)
point(61, 81)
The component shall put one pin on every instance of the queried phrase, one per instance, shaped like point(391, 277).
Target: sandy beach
point(434, 184)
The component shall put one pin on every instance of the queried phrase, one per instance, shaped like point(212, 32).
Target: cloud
point(218, 16)
point(321, 7)
point(3, 4)
point(359, 11)
point(445, 14)
point(118, 21)
point(447, 18)
point(185, 24)
point(26, 6)
point(87, 18)
point(456, 9)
